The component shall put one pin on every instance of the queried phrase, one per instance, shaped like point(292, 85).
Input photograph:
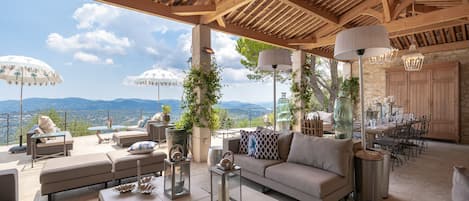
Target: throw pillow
point(144, 123)
point(157, 117)
point(243, 142)
point(140, 123)
point(328, 154)
point(142, 147)
point(46, 124)
point(326, 116)
point(460, 190)
point(251, 145)
point(39, 131)
point(267, 146)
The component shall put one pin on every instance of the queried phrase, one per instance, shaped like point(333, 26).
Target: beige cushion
point(57, 141)
point(39, 131)
point(306, 179)
point(121, 159)
point(46, 124)
point(253, 165)
point(130, 134)
point(157, 117)
point(69, 168)
point(460, 190)
point(328, 154)
point(325, 116)
point(284, 142)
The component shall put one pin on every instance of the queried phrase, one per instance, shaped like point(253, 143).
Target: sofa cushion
point(460, 190)
point(121, 159)
point(130, 134)
point(309, 180)
point(58, 141)
point(328, 154)
point(253, 165)
point(69, 168)
point(284, 142)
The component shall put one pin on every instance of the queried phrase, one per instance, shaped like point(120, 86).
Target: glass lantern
point(177, 178)
point(225, 185)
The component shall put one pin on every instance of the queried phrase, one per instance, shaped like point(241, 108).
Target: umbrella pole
point(21, 109)
point(158, 86)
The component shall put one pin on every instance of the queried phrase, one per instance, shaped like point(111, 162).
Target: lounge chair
point(152, 131)
point(51, 146)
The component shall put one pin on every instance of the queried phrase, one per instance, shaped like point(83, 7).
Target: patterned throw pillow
point(267, 146)
point(252, 145)
point(142, 147)
point(243, 143)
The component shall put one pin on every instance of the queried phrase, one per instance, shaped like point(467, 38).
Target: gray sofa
point(9, 181)
point(302, 182)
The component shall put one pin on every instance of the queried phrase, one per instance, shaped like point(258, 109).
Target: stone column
point(298, 60)
point(201, 138)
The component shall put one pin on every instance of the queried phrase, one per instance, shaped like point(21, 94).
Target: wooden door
point(419, 92)
point(445, 103)
point(396, 85)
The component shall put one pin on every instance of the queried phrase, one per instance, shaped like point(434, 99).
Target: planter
point(177, 136)
point(343, 118)
point(166, 119)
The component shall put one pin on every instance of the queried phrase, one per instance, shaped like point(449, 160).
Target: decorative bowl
point(144, 180)
point(146, 188)
point(125, 188)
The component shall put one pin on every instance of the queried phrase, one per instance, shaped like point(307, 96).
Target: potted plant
point(166, 110)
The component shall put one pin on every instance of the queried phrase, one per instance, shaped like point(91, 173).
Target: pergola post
point(201, 137)
point(298, 60)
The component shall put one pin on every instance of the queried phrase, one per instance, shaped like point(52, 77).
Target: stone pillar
point(298, 60)
point(201, 137)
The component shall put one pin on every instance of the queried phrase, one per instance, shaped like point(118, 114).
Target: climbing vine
point(301, 91)
point(200, 113)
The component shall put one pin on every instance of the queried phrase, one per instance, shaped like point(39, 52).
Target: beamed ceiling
point(311, 25)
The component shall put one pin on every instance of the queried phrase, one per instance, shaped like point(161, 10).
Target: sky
point(95, 46)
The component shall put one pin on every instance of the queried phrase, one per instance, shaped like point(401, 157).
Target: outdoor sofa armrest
point(231, 144)
point(9, 181)
point(28, 138)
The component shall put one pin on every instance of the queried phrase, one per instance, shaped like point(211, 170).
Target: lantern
point(177, 175)
point(225, 181)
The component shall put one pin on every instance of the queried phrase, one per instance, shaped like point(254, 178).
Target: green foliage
point(350, 87)
point(250, 50)
point(197, 113)
point(166, 109)
point(225, 121)
point(301, 91)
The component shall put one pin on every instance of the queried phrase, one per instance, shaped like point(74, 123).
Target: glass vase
point(343, 118)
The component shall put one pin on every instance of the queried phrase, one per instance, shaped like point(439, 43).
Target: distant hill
point(80, 104)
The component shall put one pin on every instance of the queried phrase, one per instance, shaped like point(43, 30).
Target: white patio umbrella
point(154, 77)
point(28, 71)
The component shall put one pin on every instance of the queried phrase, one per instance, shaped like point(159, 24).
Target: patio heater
point(359, 43)
point(274, 60)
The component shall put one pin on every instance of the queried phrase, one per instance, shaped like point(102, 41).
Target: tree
point(325, 85)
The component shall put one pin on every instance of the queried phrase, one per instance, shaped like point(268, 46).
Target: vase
point(343, 118)
point(177, 136)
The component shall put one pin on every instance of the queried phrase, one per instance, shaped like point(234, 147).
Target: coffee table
point(104, 129)
point(197, 193)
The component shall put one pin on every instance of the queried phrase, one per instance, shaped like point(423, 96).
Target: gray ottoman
point(124, 164)
point(60, 174)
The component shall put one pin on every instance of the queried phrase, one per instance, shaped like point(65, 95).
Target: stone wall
point(375, 81)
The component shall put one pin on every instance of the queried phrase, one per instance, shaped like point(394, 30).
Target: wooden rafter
point(151, 8)
point(373, 13)
point(222, 8)
point(313, 11)
point(357, 10)
point(193, 10)
point(402, 6)
point(441, 47)
point(387, 10)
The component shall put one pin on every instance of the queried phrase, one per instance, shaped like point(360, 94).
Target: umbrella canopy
point(155, 77)
point(27, 71)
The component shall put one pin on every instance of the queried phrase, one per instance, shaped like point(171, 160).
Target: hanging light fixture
point(384, 58)
point(413, 61)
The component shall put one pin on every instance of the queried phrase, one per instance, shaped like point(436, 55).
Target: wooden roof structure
point(311, 25)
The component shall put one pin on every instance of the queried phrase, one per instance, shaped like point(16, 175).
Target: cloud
point(235, 75)
point(97, 41)
point(151, 51)
point(225, 49)
point(184, 42)
point(108, 61)
point(91, 14)
point(86, 57)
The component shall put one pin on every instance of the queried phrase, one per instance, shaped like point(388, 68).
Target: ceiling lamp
point(384, 58)
point(413, 61)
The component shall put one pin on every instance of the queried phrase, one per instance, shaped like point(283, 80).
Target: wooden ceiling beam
point(440, 48)
point(387, 10)
point(402, 6)
point(222, 8)
point(221, 22)
point(419, 8)
point(426, 28)
point(193, 10)
point(357, 11)
point(373, 13)
point(151, 8)
point(313, 11)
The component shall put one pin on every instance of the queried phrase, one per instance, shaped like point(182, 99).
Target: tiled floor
point(427, 177)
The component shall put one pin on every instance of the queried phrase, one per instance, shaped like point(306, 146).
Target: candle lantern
point(225, 180)
point(177, 175)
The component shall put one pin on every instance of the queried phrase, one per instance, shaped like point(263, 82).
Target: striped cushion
point(142, 147)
